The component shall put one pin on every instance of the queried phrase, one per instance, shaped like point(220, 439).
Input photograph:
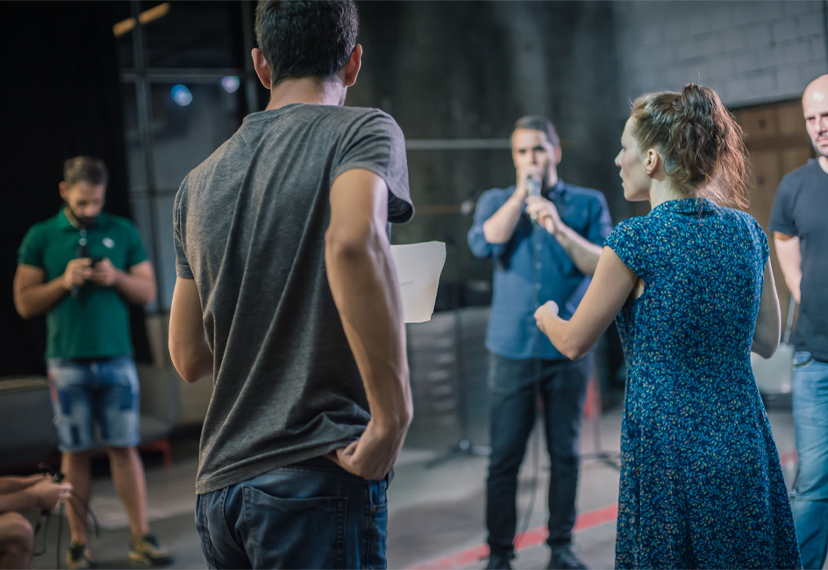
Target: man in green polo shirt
point(82, 267)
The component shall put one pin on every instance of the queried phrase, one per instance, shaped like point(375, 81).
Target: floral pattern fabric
point(701, 484)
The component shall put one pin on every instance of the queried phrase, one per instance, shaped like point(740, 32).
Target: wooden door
point(777, 144)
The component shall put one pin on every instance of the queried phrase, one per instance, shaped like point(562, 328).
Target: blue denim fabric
point(532, 267)
point(308, 515)
point(810, 498)
point(514, 396)
point(86, 394)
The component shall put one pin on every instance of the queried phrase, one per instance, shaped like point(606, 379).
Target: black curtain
point(62, 99)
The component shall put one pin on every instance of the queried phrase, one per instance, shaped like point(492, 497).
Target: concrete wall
point(468, 70)
point(749, 52)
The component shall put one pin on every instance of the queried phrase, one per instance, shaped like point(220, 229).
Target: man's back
point(250, 229)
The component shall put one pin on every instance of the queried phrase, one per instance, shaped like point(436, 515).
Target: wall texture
point(750, 52)
point(468, 70)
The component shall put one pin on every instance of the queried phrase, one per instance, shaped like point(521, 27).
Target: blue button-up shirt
point(533, 268)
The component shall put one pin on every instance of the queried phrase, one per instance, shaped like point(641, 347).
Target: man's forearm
point(38, 299)
point(189, 349)
point(13, 484)
point(500, 226)
point(137, 289)
point(16, 501)
point(790, 262)
point(583, 253)
point(363, 284)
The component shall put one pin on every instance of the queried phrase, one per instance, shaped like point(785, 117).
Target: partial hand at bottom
point(373, 455)
point(548, 309)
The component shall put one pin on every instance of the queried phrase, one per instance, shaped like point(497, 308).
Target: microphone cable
point(46, 517)
point(536, 381)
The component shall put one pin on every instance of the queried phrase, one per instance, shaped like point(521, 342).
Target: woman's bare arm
point(611, 286)
point(766, 333)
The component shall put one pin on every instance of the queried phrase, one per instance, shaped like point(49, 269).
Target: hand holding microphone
point(75, 275)
point(533, 188)
point(539, 208)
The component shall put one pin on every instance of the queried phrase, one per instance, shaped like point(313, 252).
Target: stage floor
point(436, 510)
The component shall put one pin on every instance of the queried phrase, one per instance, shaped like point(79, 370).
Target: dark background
point(62, 99)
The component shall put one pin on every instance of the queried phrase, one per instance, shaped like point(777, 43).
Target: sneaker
point(78, 556)
point(149, 550)
point(498, 562)
point(563, 558)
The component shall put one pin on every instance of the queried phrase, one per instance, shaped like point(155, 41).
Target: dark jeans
point(308, 515)
point(514, 385)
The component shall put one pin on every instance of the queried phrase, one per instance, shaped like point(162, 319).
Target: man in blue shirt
point(544, 237)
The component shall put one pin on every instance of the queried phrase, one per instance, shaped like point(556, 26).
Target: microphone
point(83, 251)
point(533, 189)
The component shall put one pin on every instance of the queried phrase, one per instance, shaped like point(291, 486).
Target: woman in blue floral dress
point(691, 286)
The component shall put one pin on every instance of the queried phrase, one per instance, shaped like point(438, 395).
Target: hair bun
point(699, 140)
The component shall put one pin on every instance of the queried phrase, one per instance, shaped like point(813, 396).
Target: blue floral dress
point(701, 484)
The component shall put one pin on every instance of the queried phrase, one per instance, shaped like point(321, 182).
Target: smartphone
point(94, 261)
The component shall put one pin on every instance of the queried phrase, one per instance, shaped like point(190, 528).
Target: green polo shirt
point(95, 324)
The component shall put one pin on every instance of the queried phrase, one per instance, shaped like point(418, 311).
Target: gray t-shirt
point(250, 226)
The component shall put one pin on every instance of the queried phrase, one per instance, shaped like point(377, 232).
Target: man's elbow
point(191, 369)
point(22, 309)
point(764, 347)
point(350, 246)
point(147, 294)
point(151, 294)
point(492, 237)
point(190, 372)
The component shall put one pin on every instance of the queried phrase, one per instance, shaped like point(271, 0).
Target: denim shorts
point(95, 401)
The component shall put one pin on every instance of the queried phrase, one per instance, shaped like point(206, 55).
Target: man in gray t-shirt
point(286, 295)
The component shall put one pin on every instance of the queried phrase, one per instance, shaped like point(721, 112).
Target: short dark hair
point(85, 169)
point(306, 38)
point(542, 124)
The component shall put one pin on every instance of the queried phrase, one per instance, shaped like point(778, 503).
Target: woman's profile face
point(634, 178)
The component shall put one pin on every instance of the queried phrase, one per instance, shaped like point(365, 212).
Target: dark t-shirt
point(250, 228)
point(801, 210)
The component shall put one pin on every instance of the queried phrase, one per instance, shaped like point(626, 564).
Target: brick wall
point(750, 52)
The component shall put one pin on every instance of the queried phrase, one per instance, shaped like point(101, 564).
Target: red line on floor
point(532, 537)
point(536, 536)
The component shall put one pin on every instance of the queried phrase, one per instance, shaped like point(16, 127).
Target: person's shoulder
point(45, 227)
point(582, 192)
point(360, 112)
point(742, 216)
point(47, 224)
point(341, 113)
point(803, 174)
point(120, 222)
point(367, 117)
point(496, 195)
point(636, 224)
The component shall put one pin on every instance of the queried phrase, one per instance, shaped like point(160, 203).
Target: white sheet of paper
point(418, 271)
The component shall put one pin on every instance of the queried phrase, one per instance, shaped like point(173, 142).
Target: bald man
point(801, 237)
